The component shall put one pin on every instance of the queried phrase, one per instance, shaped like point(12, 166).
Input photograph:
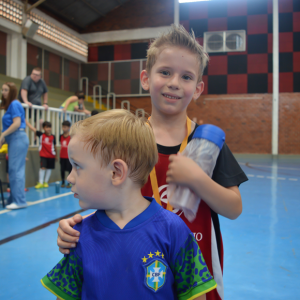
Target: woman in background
point(75, 103)
point(13, 133)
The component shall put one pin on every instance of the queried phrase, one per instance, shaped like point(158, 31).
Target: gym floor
point(262, 247)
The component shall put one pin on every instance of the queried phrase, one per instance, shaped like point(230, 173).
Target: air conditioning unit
point(225, 41)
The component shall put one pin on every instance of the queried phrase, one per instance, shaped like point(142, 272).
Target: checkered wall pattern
point(53, 68)
point(124, 77)
point(249, 71)
point(3, 37)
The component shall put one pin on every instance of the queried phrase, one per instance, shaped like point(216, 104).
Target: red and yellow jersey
point(205, 227)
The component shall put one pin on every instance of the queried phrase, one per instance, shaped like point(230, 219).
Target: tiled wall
point(249, 71)
point(118, 52)
point(71, 75)
point(53, 68)
point(3, 37)
point(34, 57)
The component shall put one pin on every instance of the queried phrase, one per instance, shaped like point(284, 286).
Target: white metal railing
point(125, 104)
point(54, 115)
point(113, 99)
point(86, 85)
point(140, 112)
point(99, 96)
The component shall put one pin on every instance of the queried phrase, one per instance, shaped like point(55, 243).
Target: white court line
point(38, 202)
point(264, 166)
point(270, 177)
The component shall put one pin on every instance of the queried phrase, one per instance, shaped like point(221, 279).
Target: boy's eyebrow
point(185, 71)
point(74, 160)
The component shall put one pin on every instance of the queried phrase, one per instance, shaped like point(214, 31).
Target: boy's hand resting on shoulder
point(67, 236)
point(181, 170)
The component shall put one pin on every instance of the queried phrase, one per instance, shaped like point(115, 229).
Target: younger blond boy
point(131, 248)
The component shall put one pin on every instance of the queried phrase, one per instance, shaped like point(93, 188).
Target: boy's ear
point(120, 172)
point(145, 80)
point(199, 90)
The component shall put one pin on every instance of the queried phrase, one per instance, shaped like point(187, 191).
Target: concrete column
point(16, 61)
point(275, 109)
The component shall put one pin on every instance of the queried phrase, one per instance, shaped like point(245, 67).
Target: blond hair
point(177, 37)
point(119, 134)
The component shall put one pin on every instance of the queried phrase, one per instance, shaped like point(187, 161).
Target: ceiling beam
point(93, 8)
point(33, 6)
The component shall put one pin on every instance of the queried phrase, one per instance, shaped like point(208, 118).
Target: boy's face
point(65, 129)
point(91, 182)
point(173, 81)
point(47, 130)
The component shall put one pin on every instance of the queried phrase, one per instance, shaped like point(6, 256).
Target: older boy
point(130, 248)
point(173, 75)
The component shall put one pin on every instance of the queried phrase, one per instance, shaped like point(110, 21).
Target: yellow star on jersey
point(162, 255)
point(150, 255)
point(144, 259)
point(157, 253)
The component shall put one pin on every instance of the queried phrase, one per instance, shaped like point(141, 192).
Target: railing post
point(95, 96)
point(140, 111)
point(127, 103)
point(86, 85)
point(114, 100)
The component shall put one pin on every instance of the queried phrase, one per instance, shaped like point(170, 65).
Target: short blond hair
point(177, 37)
point(119, 134)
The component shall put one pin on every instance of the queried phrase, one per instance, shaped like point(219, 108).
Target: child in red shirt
point(65, 164)
point(47, 153)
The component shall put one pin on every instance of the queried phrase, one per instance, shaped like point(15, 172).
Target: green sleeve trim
point(198, 290)
point(191, 273)
point(66, 276)
point(50, 286)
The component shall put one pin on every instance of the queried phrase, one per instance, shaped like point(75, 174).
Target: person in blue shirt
point(131, 248)
point(13, 133)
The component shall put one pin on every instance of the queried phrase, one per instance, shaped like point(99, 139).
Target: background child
point(65, 165)
point(47, 153)
point(145, 252)
point(173, 76)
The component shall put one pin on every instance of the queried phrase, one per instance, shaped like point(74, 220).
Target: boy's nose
point(173, 82)
point(70, 178)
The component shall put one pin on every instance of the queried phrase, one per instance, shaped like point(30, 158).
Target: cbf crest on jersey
point(155, 275)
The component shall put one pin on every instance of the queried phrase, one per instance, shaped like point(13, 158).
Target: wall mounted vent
point(225, 41)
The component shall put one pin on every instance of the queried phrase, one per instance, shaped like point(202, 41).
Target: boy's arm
point(30, 126)
point(224, 201)
point(67, 236)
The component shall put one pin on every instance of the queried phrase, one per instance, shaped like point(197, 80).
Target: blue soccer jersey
point(155, 256)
